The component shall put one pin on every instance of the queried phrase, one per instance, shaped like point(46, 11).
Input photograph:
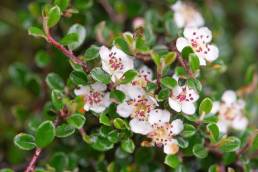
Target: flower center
point(162, 134)
point(142, 108)
point(114, 62)
point(184, 96)
point(198, 43)
point(94, 97)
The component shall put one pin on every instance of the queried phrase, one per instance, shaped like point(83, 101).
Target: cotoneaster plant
point(139, 89)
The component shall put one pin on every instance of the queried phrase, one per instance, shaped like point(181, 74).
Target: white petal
point(117, 75)
point(240, 104)
point(98, 108)
point(181, 43)
point(240, 123)
point(229, 97)
point(179, 20)
point(104, 53)
point(213, 53)
point(159, 116)
point(177, 90)
point(106, 100)
point(177, 6)
point(190, 32)
point(191, 94)
point(188, 108)
point(171, 148)
point(205, 34)
point(144, 71)
point(201, 59)
point(215, 107)
point(177, 126)
point(197, 20)
point(83, 90)
point(141, 127)
point(131, 91)
point(223, 126)
point(174, 104)
point(124, 110)
point(86, 107)
point(99, 86)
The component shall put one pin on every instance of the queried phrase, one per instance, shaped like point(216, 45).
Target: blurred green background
point(23, 92)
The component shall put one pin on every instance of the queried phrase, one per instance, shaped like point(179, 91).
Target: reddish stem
point(31, 166)
point(67, 52)
point(183, 64)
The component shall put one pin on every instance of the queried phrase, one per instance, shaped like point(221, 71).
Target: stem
point(67, 52)
point(31, 166)
point(183, 64)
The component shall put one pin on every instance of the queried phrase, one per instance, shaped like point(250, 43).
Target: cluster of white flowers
point(195, 35)
point(231, 112)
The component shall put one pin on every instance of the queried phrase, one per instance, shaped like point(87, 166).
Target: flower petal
point(171, 148)
point(83, 90)
point(223, 126)
point(190, 33)
point(98, 86)
point(146, 72)
point(228, 97)
point(179, 20)
point(191, 95)
point(177, 126)
point(205, 34)
point(181, 43)
point(213, 53)
point(240, 123)
point(174, 104)
point(215, 107)
point(98, 108)
point(188, 108)
point(132, 92)
point(124, 110)
point(159, 116)
point(141, 127)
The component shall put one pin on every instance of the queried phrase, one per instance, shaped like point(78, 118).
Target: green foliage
point(24, 141)
point(45, 134)
point(99, 75)
point(53, 16)
point(76, 120)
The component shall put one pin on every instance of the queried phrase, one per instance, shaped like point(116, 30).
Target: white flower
point(145, 75)
point(138, 22)
point(163, 132)
point(186, 16)
point(199, 39)
point(183, 99)
point(95, 98)
point(137, 105)
point(230, 112)
point(115, 62)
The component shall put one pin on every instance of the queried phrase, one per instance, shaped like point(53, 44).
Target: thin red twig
point(31, 166)
point(67, 52)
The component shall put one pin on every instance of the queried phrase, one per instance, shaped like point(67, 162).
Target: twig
point(31, 166)
point(112, 14)
point(179, 58)
point(67, 52)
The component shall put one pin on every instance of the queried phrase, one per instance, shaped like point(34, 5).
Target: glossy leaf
point(45, 134)
point(24, 141)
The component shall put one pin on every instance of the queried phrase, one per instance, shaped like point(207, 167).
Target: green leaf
point(194, 84)
point(59, 161)
point(183, 143)
point(79, 77)
point(168, 82)
point(99, 75)
point(45, 134)
point(81, 32)
point(54, 15)
point(64, 130)
point(92, 53)
point(229, 144)
point(63, 4)
point(194, 62)
point(57, 99)
point(122, 44)
point(172, 161)
point(76, 120)
point(255, 143)
point(69, 39)
point(24, 141)
point(213, 168)
point(128, 76)
point(156, 58)
point(117, 95)
point(54, 81)
point(205, 106)
point(35, 31)
point(103, 119)
point(6, 170)
point(189, 130)
point(199, 151)
point(42, 59)
point(163, 94)
point(119, 123)
point(141, 45)
point(128, 145)
point(101, 144)
point(151, 86)
point(186, 52)
point(169, 58)
point(213, 130)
